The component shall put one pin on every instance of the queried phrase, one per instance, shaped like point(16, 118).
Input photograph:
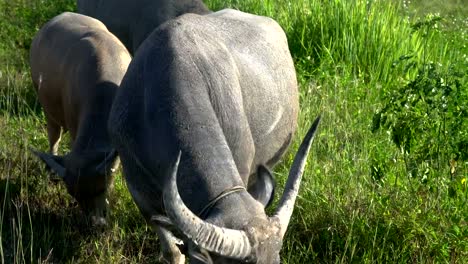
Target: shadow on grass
point(41, 223)
point(332, 238)
point(34, 231)
point(353, 233)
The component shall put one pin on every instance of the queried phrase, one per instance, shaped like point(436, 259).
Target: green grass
point(389, 194)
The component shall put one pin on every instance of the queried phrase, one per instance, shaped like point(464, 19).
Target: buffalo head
point(260, 240)
point(87, 177)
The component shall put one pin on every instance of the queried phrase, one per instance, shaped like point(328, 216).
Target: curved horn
point(54, 162)
point(286, 205)
point(222, 241)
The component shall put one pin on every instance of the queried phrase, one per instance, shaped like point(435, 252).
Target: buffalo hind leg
point(54, 133)
point(170, 252)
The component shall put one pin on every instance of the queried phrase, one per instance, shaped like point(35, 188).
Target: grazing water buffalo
point(133, 20)
point(76, 67)
point(219, 94)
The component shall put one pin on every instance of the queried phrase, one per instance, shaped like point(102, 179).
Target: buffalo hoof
point(98, 222)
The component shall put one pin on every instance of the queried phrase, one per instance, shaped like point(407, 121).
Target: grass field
point(387, 177)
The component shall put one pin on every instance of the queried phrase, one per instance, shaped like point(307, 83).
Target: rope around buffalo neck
point(220, 196)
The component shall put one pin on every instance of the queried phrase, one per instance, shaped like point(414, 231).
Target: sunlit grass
point(357, 202)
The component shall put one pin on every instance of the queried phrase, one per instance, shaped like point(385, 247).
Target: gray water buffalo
point(217, 93)
point(133, 20)
point(76, 67)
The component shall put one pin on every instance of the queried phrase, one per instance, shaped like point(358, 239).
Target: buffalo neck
point(92, 130)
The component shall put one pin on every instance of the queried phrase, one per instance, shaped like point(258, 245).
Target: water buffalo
point(133, 20)
point(76, 67)
point(218, 93)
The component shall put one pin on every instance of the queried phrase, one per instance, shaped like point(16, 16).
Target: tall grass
point(19, 21)
point(362, 200)
point(367, 36)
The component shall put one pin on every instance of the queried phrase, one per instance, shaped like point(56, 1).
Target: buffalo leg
point(170, 251)
point(54, 133)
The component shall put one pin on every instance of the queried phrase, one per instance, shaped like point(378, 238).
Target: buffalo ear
point(107, 163)
point(263, 189)
point(54, 162)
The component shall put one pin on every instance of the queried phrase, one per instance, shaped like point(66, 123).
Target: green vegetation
point(387, 176)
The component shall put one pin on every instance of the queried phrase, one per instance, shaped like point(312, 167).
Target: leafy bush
point(427, 116)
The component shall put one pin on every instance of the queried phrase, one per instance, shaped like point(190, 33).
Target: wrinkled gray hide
point(76, 67)
point(133, 20)
point(222, 89)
